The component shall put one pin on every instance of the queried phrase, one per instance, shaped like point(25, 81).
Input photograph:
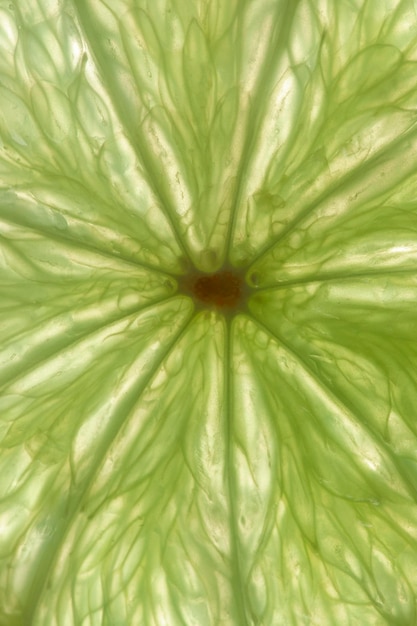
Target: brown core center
point(223, 290)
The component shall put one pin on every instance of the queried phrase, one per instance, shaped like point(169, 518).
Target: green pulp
point(163, 463)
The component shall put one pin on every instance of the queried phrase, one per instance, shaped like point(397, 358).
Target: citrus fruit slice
point(208, 245)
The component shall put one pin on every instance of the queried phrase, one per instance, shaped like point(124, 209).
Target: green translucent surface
point(160, 467)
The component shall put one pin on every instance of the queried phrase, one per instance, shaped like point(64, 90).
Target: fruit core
point(223, 290)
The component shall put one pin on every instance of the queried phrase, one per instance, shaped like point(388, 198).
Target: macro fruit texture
point(208, 364)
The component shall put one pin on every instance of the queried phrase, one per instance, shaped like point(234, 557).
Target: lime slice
point(208, 246)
